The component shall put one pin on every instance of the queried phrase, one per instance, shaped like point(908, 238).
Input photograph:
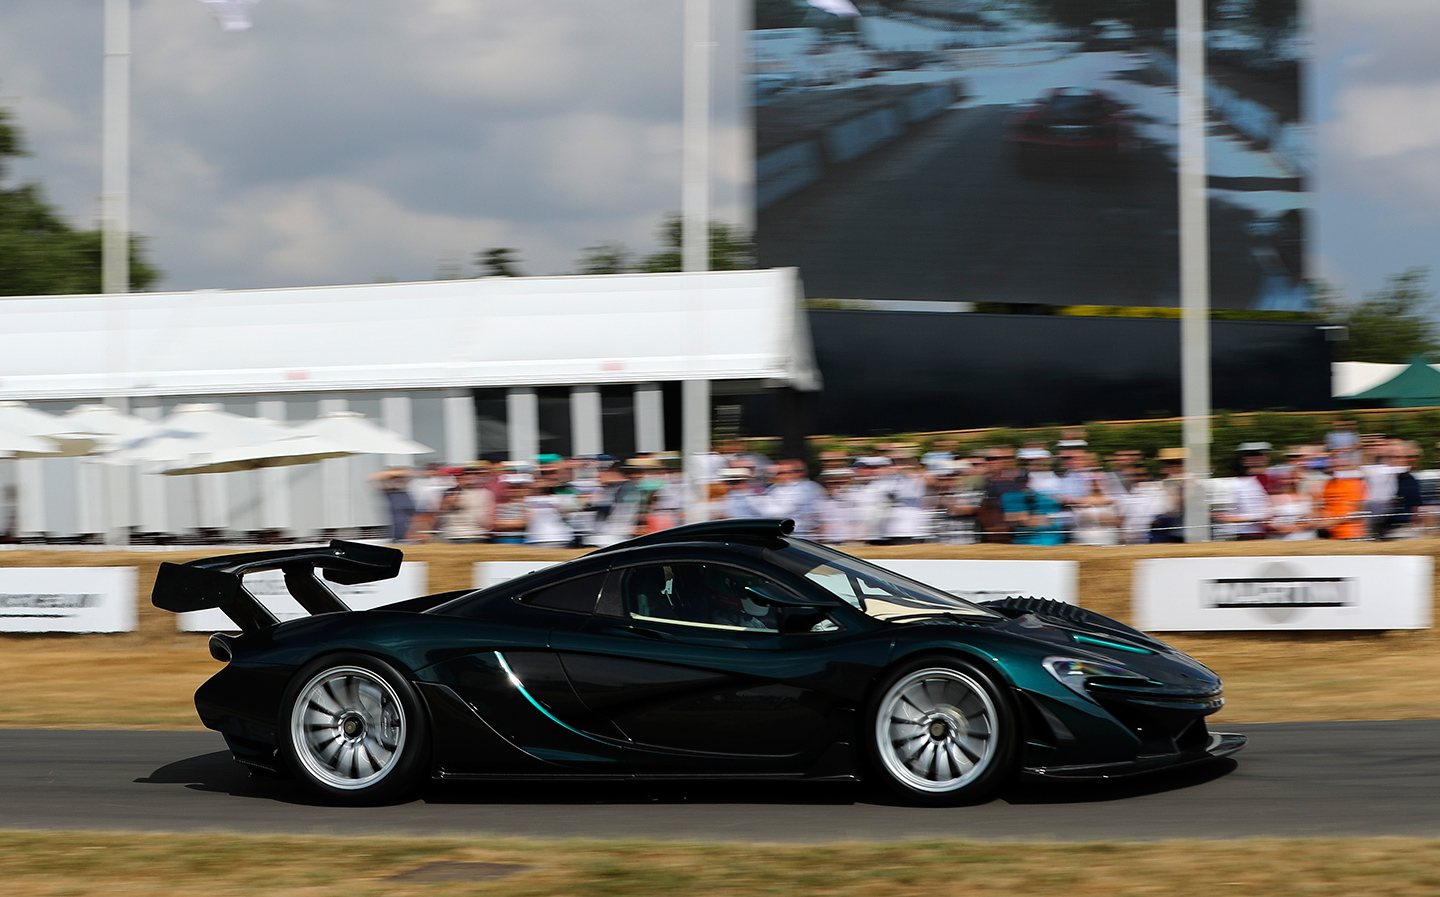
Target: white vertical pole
point(113, 483)
point(522, 409)
point(337, 509)
point(695, 442)
point(274, 481)
point(695, 239)
point(649, 418)
point(460, 447)
point(586, 431)
point(154, 516)
point(395, 415)
point(1194, 267)
point(695, 177)
point(115, 167)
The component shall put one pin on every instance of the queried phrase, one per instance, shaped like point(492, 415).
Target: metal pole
point(1194, 266)
point(115, 168)
point(695, 177)
point(695, 242)
point(115, 240)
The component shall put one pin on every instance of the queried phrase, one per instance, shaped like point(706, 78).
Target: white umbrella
point(20, 418)
point(351, 430)
point(13, 443)
point(197, 430)
point(110, 425)
point(285, 452)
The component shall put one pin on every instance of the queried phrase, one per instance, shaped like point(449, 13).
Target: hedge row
point(1280, 429)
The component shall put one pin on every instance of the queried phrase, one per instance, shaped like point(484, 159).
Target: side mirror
point(771, 595)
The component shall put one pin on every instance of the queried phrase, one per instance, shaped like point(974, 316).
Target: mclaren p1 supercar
point(728, 649)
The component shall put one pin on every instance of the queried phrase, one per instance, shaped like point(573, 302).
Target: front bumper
point(1219, 744)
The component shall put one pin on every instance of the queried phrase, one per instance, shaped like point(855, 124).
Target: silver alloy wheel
point(348, 727)
point(936, 730)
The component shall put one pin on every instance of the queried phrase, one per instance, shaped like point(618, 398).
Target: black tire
point(941, 732)
point(354, 731)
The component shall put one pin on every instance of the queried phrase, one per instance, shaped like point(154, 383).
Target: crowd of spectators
point(1350, 487)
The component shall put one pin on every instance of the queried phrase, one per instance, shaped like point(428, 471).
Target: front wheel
point(354, 730)
point(942, 733)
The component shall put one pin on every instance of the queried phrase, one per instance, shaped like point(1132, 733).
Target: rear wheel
point(354, 730)
point(942, 733)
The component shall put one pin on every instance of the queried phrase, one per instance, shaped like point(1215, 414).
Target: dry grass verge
point(146, 679)
point(84, 864)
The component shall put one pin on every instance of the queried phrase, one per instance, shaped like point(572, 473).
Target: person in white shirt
point(793, 494)
point(909, 518)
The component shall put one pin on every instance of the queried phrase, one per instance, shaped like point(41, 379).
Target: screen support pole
point(695, 244)
point(1194, 267)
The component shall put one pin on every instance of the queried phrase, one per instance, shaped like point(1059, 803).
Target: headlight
point(1074, 674)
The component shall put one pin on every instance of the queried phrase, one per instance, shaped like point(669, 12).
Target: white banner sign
point(269, 587)
point(976, 580)
point(67, 599)
point(1336, 592)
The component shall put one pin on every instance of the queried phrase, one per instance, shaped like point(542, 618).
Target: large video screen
point(1024, 151)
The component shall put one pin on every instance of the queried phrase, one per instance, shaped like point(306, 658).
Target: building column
point(153, 511)
point(460, 441)
point(585, 421)
point(649, 418)
point(30, 496)
point(274, 481)
point(337, 510)
point(395, 415)
point(522, 418)
point(694, 446)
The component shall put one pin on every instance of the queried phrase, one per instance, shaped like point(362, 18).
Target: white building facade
point(496, 368)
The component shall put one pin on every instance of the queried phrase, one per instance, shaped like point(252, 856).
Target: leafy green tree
point(498, 261)
point(1391, 325)
point(731, 248)
point(41, 253)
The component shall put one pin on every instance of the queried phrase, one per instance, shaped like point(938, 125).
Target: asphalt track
point(1293, 780)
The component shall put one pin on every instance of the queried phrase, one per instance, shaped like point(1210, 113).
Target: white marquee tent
point(409, 356)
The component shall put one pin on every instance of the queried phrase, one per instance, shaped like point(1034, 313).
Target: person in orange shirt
point(1343, 499)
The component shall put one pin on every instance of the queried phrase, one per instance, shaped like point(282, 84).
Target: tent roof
point(1418, 380)
point(500, 331)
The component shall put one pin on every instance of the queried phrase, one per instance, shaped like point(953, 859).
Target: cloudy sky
point(345, 141)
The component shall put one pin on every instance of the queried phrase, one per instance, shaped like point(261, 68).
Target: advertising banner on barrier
point(67, 599)
point(269, 587)
point(976, 580)
point(1283, 593)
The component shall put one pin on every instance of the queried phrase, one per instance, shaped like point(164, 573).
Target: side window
point(705, 596)
point(576, 596)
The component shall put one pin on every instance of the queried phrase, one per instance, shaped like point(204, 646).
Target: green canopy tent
point(1417, 386)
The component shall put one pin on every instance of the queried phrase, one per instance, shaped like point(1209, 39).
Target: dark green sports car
point(719, 650)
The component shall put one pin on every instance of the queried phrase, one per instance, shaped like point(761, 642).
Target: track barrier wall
point(1104, 577)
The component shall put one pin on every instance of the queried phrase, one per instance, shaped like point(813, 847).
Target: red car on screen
point(1071, 124)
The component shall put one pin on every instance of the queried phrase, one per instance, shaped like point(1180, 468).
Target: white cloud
point(340, 140)
point(1378, 121)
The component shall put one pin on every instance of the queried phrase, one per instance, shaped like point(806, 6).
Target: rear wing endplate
point(218, 582)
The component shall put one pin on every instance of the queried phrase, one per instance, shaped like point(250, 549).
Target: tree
point(731, 249)
point(498, 262)
point(42, 254)
point(605, 258)
point(1391, 325)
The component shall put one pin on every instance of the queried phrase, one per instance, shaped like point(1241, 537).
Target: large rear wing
point(218, 582)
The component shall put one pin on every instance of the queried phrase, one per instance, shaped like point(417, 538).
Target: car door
point(681, 659)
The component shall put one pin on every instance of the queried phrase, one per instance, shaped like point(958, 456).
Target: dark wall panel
point(904, 371)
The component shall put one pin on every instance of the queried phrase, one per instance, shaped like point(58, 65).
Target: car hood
point(1074, 632)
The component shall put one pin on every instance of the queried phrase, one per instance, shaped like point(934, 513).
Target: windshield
point(874, 590)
